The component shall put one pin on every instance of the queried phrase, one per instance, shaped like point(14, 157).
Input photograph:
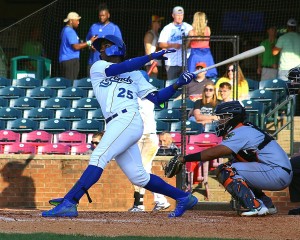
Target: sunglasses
point(208, 89)
point(95, 143)
point(231, 70)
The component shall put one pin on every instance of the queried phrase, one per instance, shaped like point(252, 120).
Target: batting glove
point(185, 78)
point(160, 54)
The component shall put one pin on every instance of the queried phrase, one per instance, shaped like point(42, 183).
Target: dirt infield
point(223, 224)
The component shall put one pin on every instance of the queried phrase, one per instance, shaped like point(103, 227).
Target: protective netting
point(245, 19)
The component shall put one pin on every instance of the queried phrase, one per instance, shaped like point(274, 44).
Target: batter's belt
point(107, 120)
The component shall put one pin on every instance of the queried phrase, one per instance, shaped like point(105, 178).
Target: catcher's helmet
point(294, 74)
point(230, 115)
point(118, 49)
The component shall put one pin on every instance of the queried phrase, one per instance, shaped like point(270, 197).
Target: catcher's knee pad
point(225, 174)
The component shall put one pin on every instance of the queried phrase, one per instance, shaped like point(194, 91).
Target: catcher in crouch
point(258, 164)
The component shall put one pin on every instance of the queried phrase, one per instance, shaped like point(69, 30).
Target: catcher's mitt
point(173, 167)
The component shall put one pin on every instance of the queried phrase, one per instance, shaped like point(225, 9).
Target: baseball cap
point(72, 15)
point(201, 64)
point(178, 10)
point(156, 18)
point(292, 22)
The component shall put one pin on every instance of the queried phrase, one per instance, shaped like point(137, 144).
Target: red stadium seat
point(8, 137)
point(71, 138)
point(54, 148)
point(205, 139)
point(37, 137)
point(19, 148)
point(82, 149)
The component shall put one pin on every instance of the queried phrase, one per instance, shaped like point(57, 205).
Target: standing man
point(268, 63)
point(151, 43)
point(117, 86)
point(171, 37)
point(69, 51)
point(100, 29)
point(148, 145)
point(288, 45)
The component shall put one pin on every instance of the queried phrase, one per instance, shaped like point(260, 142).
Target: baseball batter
point(259, 161)
point(117, 86)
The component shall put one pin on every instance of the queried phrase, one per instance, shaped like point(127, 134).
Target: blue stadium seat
point(191, 127)
point(10, 113)
point(159, 84)
point(22, 125)
point(88, 126)
point(41, 93)
point(278, 87)
point(4, 102)
point(56, 103)
point(253, 84)
point(83, 83)
point(72, 93)
point(162, 126)
point(55, 125)
point(71, 114)
point(57, 83)
point(96, 115)
point(24, 103)
point(178, 104)
point(86, 104)
point(255, 112)
point(5, 82)
point(168, 115)
point(11, 92)
point(39, 114)
point(264, 96)
point(27, 82)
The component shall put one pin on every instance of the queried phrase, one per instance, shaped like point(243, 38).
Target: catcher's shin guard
point(238, 188)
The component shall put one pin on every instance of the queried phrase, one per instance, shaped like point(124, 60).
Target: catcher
point(258, 164)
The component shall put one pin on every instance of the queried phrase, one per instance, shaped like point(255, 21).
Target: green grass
point(50, 236)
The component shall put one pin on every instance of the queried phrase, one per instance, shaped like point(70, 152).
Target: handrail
point(290, 102)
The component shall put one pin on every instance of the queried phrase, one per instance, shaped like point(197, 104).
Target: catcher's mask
point(294, 74)
point(118, 49)
point(230, 114)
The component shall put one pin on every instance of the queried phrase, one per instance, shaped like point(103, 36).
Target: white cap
point(71, 16)
point(292, 22)
point(178, 10)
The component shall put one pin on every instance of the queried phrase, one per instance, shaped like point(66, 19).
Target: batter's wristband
point(89, 43)
point(195, 157)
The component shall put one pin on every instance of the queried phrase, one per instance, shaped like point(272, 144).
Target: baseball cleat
point(65, 209)
point(272, 210)
point(140, 208)
point(160, 207)
point(260, 211)
point(183, 204)
point(56, 201)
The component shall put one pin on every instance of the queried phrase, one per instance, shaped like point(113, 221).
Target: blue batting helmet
point(118, 49)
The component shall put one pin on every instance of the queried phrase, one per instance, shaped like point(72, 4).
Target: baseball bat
point(153, 65)
point(238, 57)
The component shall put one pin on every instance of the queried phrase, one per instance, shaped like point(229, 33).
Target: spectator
point(171, 37)
point(225, 92)
point(151, 43)
point(96, 138)
point(288, 45)
point(69, 51)
point(196, 86)
point(166, 145)
point(267, 63)
point(100, 29)
point(200, 49)
point(148, 145)
point(230, 76)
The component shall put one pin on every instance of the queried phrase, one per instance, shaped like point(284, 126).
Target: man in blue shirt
point(70, 46)
point(102, 28)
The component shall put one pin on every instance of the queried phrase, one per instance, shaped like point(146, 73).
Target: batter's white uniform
point(118, 98)
point(173, 34)
point(148, 144)
point(270, 171)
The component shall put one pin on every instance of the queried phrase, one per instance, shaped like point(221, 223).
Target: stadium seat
point(253, 84)
point(80, 149)
point(54, 148)
point(27, 82)
point(57, 83)
point(10, 113)
point(83, 83)
point(205, 139)
point(55, 125)
point(11, 92)
point(9, 137)
point(264, 96)
point(4, 102)
point(72, 93)
point(56, 103)
point(71, 138)
point(191, 127)
point(255, 112)
point(86, 104)
point(176, 136)
point(177, 104)
point(168, 115)
point(162, 126)
point(278, 87)
point(37, 137)
point(39, 114)
point(22, 125)
point(41, 93)
point(19, 148)
point(24, 103)
point(96, 115)
point(71, 114)
point(5, 82)
point(88, 125)
point(158, 83)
